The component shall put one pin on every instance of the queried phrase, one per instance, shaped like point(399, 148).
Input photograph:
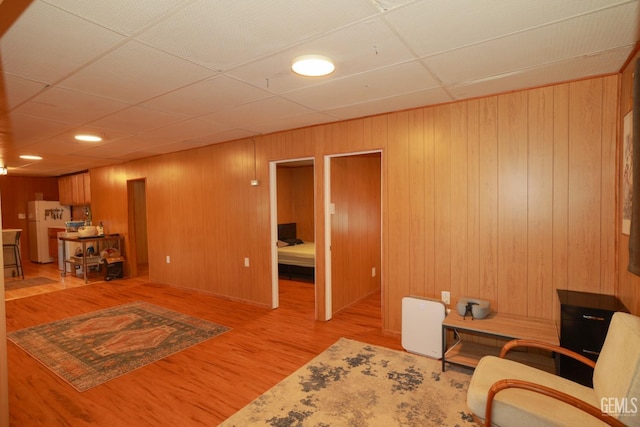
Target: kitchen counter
point(9, 235)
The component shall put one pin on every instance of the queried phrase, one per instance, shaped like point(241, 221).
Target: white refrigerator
point(42, 215)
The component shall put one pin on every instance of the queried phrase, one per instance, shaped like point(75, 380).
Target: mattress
point(303, 255)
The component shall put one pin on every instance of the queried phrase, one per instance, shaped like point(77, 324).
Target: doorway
point(137, 218)
point(353, 228)
point(292, 199)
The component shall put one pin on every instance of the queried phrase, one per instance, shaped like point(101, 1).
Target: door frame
point(328, 211)
point(273, 203)
point(131, 224)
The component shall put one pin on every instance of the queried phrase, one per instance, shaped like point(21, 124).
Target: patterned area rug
point(93, 348)
point(27, 283)
point(357, 384)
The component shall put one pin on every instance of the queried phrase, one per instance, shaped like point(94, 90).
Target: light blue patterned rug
point(357, 384)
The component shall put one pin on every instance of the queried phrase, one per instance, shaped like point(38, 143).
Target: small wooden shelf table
point(497, 325)
point(83, 260)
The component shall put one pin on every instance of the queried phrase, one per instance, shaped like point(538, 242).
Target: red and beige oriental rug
point(93, 348)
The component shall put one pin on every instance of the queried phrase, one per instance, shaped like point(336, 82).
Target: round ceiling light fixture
point(312, 65)
point(88, 138)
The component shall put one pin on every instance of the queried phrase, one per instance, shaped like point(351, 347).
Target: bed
point(296, 258)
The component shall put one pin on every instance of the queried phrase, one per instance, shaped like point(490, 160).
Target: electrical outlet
point(445, 296)
point(246, 262)
point(168, 259)
point(373, 272)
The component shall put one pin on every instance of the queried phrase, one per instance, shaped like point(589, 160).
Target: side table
point(497, 325)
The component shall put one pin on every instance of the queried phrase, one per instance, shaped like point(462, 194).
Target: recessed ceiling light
point(312, 65)
point(30, 157)
point(88, 138)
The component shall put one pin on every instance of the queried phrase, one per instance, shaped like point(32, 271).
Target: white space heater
point(422, 326)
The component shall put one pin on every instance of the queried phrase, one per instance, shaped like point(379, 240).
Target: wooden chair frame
point(547, 391)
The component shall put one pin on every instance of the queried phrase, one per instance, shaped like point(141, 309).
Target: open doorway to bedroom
point(293, 227)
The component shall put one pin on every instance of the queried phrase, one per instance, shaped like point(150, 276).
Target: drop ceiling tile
point(261, 111)
point(85, 162)
point(393, 103)
point(217, 93)
point(385, 5)
point(17, 90)
point(382, 83)
point(69, 106)
point(572, 69)
point(46, 43)
point(226, 135)
point(128, 148)
point(371, 45)
point(66, 142)
point(435, 26)
point(167, 65)
point(15, 164)
point(137, 155)
point(138, 119)
point(26, 129)
point(38, 171)
point(173, 147)
point(294, 122)
point(588, 34)
point(134, 73)
point(220, 37)
point(123, 16)
point(133, 143)
point(188, 129)
point(54, 146)
point(54, 165)
point(114, 150)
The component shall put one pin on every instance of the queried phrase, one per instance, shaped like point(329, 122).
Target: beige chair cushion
point(516, 407)
point(617, 372)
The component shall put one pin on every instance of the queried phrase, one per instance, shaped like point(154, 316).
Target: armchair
point(506, 393)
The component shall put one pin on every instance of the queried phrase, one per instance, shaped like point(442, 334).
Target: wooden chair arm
point(546, 346)
point(564, 397)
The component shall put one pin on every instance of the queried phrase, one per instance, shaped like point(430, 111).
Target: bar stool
point(15, 246)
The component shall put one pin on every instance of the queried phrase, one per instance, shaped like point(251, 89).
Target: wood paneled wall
point(15, 192)
point(628, 284)
point(506, 197)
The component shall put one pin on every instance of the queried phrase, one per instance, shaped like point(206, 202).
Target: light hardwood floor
point(200, 386)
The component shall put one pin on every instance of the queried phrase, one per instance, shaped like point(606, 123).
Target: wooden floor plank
point(202, 385)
